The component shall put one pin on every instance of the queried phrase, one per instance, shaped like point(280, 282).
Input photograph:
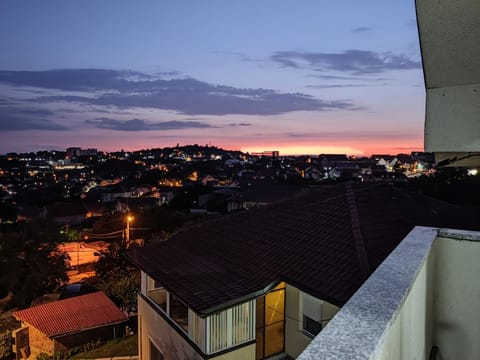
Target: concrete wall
point(244, 353)
point(153, 326)
point(411, 333)
point(441, 308)
point(457, 296)
point(295, 339)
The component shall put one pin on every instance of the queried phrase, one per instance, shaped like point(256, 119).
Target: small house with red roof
point(64, 324)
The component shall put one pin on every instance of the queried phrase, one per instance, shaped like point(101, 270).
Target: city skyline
point(302, 79)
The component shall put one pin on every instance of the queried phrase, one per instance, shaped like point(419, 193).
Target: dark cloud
point(142, 125)
point(15, 119)
point(128, 89)
point(361, 29)
point(356, 62)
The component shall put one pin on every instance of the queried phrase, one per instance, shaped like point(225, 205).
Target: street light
point(127, 235)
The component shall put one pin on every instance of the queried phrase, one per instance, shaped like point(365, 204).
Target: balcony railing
point(423, 299)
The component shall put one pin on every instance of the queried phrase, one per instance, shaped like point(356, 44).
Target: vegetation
point(90, 346)
point(116, 277)
point(120, 347)
point(29, 262)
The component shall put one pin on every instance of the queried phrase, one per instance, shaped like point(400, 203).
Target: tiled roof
point(72, 315)
point(327, 243)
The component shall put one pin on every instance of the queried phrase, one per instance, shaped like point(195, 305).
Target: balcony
point(420, 303)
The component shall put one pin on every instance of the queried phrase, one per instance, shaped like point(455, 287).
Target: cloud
point(14, 119)
point(356, 62)
point(239, 55)
point(126, 89)
point(330, 86)
point(334, 77)
point(142, 125)
point(354, 134)
point(239, 124)
point(361, 29)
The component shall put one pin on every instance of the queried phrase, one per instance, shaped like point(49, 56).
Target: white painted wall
point(153, 326)
point(295, 339)
point(457, 298)
point(410, 335)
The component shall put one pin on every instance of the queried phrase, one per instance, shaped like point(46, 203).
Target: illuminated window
point(231, 327)
point(270, 327)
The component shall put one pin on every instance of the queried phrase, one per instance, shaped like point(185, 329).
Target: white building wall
point(457, 298)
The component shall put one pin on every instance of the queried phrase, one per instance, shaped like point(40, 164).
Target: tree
point(30, 263)
point(117, 277)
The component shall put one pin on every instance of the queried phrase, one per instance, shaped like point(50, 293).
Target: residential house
point(60, 325)
point(264, 282)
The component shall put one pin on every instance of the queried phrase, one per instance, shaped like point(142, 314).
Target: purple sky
point(299, 77)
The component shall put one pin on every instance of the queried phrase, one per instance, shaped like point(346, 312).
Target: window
point(179, 312)
point(169, 303)
point(271, 323)
point(157, 293)
point(311, 312)
point(155, 353)
point(311, 326)
point(231, 327)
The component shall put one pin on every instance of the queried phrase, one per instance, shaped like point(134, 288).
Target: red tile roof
point(326, 243)
point(72, 315)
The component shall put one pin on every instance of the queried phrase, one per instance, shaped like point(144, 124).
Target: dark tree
point(30, 263)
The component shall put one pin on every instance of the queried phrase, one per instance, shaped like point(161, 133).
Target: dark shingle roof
point(326, 243)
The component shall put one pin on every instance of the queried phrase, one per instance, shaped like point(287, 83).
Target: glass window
point(179, 312)
point(231, 327)
point(155, 353)
point(311, 326)
point(311, 314)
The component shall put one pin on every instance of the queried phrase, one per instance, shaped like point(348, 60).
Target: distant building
point(268, 153)
point(77, 152)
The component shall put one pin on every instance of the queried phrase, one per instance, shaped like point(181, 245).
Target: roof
point(72, 315)
point(326, 243)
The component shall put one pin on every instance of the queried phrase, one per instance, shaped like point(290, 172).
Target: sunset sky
point(301, 77)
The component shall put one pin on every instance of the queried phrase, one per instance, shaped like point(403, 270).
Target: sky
point(301, 77)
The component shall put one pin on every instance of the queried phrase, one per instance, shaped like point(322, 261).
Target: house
point(266, 281)
point(61, 325)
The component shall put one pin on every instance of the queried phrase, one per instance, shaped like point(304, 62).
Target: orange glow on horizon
point(358, 147)
point(306, 150)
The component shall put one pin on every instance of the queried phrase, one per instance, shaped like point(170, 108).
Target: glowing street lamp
point(127, 235)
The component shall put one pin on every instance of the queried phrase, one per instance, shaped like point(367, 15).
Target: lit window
point(231, 327)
